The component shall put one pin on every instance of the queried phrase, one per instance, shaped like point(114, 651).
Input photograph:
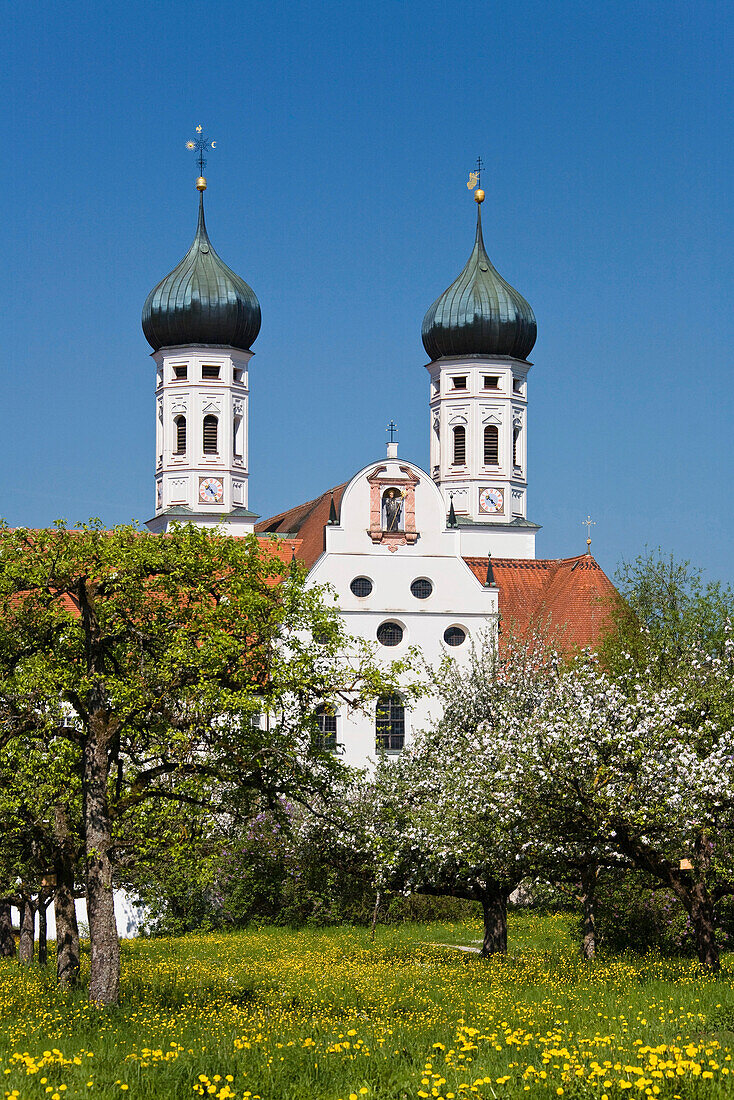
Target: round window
point(454, 635)
point(361, 586)
point(390, 633)
point(421, 588)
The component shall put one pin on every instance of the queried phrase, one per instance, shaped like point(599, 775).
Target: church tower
point(201, 321)
point(478, 334)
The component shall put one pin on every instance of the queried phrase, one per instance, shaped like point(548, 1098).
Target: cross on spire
point(588, 523)
point(201, 144)
point(392, 429)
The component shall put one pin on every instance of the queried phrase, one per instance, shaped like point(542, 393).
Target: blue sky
point(345, 134)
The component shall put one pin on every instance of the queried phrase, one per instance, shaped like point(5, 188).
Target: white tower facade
point(479, 436)
point(478, 334)
point(201, 321)
point(202, 398)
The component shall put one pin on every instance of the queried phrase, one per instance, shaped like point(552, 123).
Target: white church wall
point(457, 598)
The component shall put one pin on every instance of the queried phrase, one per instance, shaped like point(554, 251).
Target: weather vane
point(475, 178)
point(201, 144)
point(588, 523)
point(475, 181)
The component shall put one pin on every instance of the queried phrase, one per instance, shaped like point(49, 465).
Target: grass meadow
point(326, 1014)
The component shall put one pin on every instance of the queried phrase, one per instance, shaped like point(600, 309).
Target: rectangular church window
point(491, 382)
point(210, 371)
point(181, 373)
point(460, 382)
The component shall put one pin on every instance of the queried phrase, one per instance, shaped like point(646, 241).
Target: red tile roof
point(572, 597)
point(307, 522)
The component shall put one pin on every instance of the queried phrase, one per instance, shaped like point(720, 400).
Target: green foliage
point(668, 611)
point(151, 656)
point(35, 778)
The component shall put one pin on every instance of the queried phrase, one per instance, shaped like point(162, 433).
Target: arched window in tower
point(515, 440)
point(459, 458)
point(180, 422)
point(491, 445)
point(210, 435)
point(390, 723)
point(392, 510)
point(237, 437)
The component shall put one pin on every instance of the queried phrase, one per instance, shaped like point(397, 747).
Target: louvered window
point(459, 446)
point(180, 423)
point(491, 445)
point(209, 371)
point(491, 381)
point(210, 435)
point(326, 722)
point(515, 438)
point(181, 373)
point(390, 723)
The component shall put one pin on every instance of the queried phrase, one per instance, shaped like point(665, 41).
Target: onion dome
point(202, 301)
point(480, 313)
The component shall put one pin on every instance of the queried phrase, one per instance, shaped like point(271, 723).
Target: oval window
point(454, 635)
point(361, 586)
point(390, 633)
point(421, 588)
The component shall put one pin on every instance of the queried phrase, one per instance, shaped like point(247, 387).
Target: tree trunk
point(704, 925)
point(7, 939)
point(104, 974)
point(588, 901)
point(494, 908)
point(375, 914)
point(67, 930)
point(27, 931)
point(42, 930)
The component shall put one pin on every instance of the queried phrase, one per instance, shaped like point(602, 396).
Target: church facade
point(427, 559)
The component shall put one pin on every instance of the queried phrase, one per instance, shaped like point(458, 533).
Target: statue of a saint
point(393, 502)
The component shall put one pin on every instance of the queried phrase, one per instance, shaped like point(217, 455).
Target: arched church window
point(180, 422)
point(210, 435)
point(491, 445)
point(392, 510)
point(326, 722)
point(515, 438)
point(459, 446)
point(390, 723)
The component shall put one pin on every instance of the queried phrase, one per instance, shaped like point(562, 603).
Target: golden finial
point(475, 180)
point(200, 144)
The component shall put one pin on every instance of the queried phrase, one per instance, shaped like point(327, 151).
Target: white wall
point(458, 598)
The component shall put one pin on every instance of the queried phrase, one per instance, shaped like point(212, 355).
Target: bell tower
point(201, 321)
point(478, 334)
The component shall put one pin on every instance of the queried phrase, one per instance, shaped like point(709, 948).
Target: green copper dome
point(202, 301)
point(480, 313)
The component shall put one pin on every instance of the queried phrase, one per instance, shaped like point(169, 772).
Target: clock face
point(491, 501)
point(211, 490)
